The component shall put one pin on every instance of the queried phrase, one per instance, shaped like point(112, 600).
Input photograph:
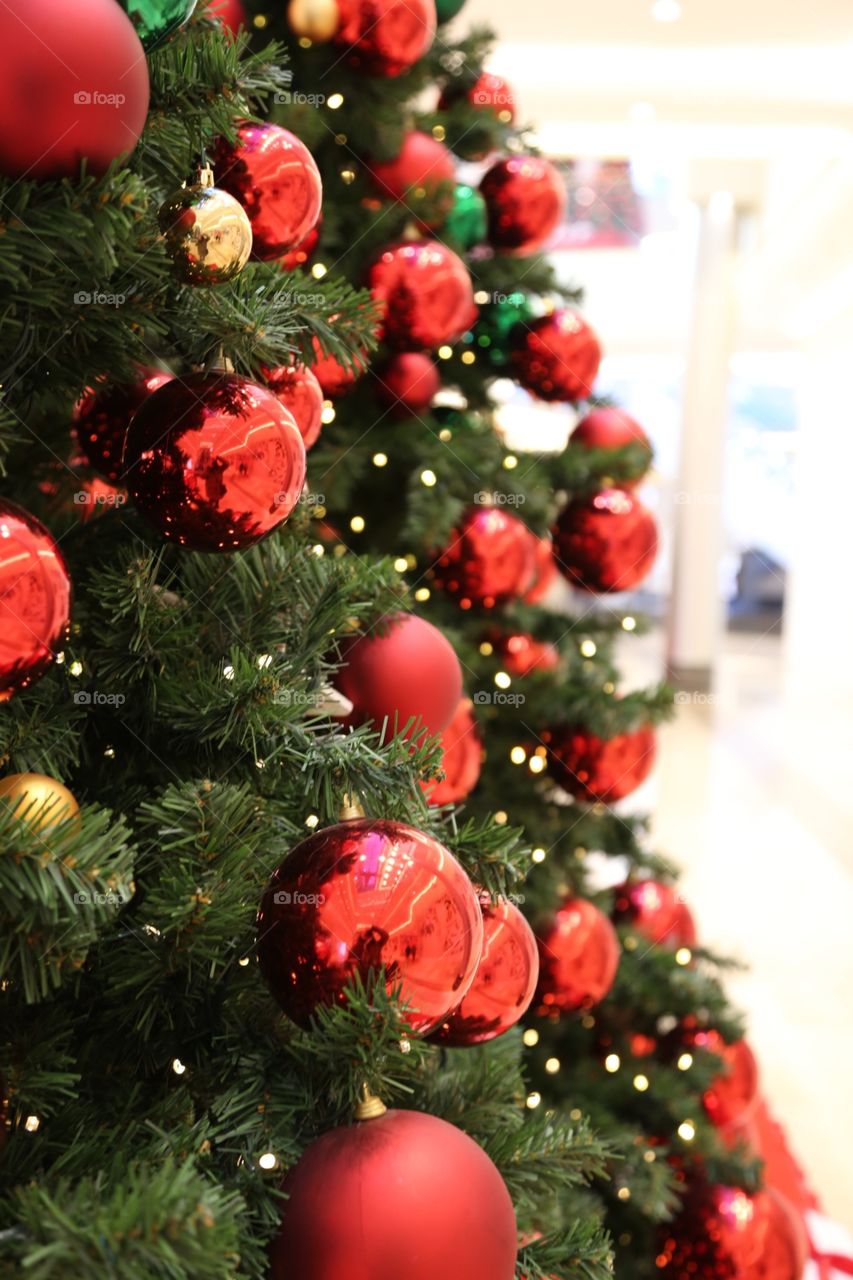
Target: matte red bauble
point(331, 374)
point(299, 391)
point(505, 980)
point(605, 543)
point(726, 1232)
point(403, 1197)
point(298, 256)
point(461, 759)
point(74, 87)
point(425, 293)
point(657, 911)
point(35, 599)
point(276, 180)
point(599, 769)
point(578, 959)
point(556, 357)
point(404, 669)
point(525, 200)
point(407, 382)
point(489, 559)
point(419, 169)
point(386, 37)
point(521, 653)
point(362, 896)
point(612, 428)
point(103, 415)
point(545, 572)
point(214, 461)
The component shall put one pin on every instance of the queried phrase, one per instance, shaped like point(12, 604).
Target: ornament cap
point(369, 1107)
point(351, 807)
point(205, 176)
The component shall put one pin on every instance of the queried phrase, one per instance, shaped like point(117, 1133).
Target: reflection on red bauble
point(578, 959)
point(425, 293)
point(421, 167)
point(521, 653)
point(489, 559)
point(386, 37)
point(599, 769)
point(404, 669)
point(299, 391)
point(276, 180)
point(103, 415)
point(505, 980)
point(525, 200)
point(657, 911)
point(461, 759)
point(301, 253)
point(230, 13)
point(365, 895)
point(545, 572)
point(612, 428)
point(407, 382)
point(726, 1232)
point(403, 1197)
point(74, 87)
point(556, 357)
point(333, 377)
point(605, 543)
point(214, 461)
point(35, 599)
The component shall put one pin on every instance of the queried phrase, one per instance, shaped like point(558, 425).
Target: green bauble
point(156, 19)
point(497, 321)
point(466, 223)
point(447, 9)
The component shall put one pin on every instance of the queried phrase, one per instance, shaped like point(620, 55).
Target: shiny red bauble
point(461, 759)
point(35, 599)
point(599, 769)
point(230, 13)
point(521, 653)
point(363, 896)
point(214, 461)
point(612, 428)
point(403, 1197)
point(420, 168)
point(492, 93)
point(556, 357)
point(335, 379)
point(578, 959)
point(425, 293)
point(276, 180)
point(656, 911)
point(525, 201)
point(74, 87)
point(407, 383)
point(103, 415)
point(505, 980)
point(404, 669)
point(545, 572)
point(386, 37)
point(489, 559)
point(733, 1094)
point(605, 543)
point(726, 1232)
point(302, 252)
point(297, 388)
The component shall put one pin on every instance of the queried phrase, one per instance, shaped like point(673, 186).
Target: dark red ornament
point(726, 1232)
point(302, 253)
point(605, 543)
point(521, 653)
point(35, 599)
point(403, 1196)
point(612, 428)
point(488, 560)
point(407, 382)
point(386, 37)
point(74, 87)
point(425, 293)
point(578, 959)
point(103, 415)
point(365, 895)
point(556, 357)
point(214, 461)
point(599, 769)
point(332, 376)
point(276, 180)
point(422, 167)
point(657, 911)
point(230, 13)
point(297, 388)
point(525, 200)
point(462, 757)
point(505, 980)
point(545, 572)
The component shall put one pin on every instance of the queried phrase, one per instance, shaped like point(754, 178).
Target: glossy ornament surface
point(465, 224)
point(732, 1096)
point(206, 233)
point(612, 428)
point(546, 572)
point(154, 20)
point(423, 168)
point(605, 543)
point(297, 388)
point(494, 94)
point(230, 13)
point(275, 178)
point(525, 202)
point(599, 769)
point(462, 758)
point(365, 895)
point(39, 801)
point(495, 328)
point(726, 1232)
point(335, 379)
point(385, 37)
point(489, 559)
point(103, 415)
point(578, 959)
point(656, 911)
point(521, 653)
point(214, 461)
point(425, 293)
point(556, 356)
point(407, 383)
point(35, 599)
point(315, 20)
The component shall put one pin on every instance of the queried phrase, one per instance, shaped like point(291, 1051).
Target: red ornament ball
point(276, 180)
point(386, 37)
point(505, 980)
point(605, 543)
point(733, 1094)
point(333, 377)
point(230, 13)
point(545, 572)
point(214, 461)
point(405, 669)
point(425, 293)
point(657, 911)
point(462, 758)
point(301, 253)
point(420, 169)
point(103, 415)
point(599, 769)
point(298, 390)
point(521, 653)
point(492, 93)
point(35, 599)
point(74, 87)
point(726, 1232)
point(407, 1195)
point(488, 560)
point(365, 895)
point(407, 383)
point(578, 959)
point(612, 428)
point(556, 357)
point(525, 200)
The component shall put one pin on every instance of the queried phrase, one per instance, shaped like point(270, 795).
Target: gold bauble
point(39, 801)
point(207, 232)
point(316, 20)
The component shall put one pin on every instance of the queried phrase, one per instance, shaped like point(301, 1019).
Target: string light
point(685, 1062)
point(318, 550)
point(305, 42)
point(687, 1131)
point(311, 821)
point(400, 564)
point(445, 352)
point(334, 101)
point(531, 1037)
point(422, 594)
point(357, 524)
point(178, 1067)
point(536, 764)
point(510, 462)
point(575, 1113)
point(228, 672)
point(612, 1062)
point(75, 669)
point(501, 817)
point(428, 478)
point(347, 177)
point(518, 755)
point(31, 1123)
point(243, 962)
point(588, 648)
point(380, 459)
point(609, 686)
point(683, 955)
point(439, 132)
point(481, 297)
point(552, 1066)
point(538, 855)
point(268, 1160)
point(649, 1157)
point(445, 434)
point(264, 660)
point(641, 1083)
point(624, 1193)
point(260, 20)
point(629, 624)
point(630, 943)
point(487, 648)
point(110, 753)
point(533, 1100)
point(502, 679)
point(405, 1045)
point(318, 270)
point(468, 357)
point(328, 414)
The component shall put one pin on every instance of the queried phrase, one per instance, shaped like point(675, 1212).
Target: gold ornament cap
point(350, 808)
point(369, 1107)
